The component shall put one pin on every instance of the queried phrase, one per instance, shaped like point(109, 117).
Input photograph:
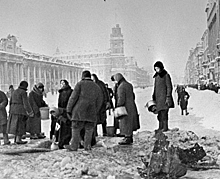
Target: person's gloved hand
point(168, 101)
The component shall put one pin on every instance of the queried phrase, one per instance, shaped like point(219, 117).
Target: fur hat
point(23, 85)
point(159, 64)
point(86, 74)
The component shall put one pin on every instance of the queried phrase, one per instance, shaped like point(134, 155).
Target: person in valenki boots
point(162, 95)
point(126, 98)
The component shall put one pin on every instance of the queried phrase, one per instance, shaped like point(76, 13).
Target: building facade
point(17, 64)
point(208, 54)
point(105, 64)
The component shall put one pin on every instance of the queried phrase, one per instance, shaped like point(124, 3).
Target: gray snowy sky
point(153, 29)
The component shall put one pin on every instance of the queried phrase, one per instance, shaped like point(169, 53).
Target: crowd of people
point(80, 109)
point(74, 121)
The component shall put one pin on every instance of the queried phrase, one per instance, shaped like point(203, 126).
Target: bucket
point(110, 131)
point(44, 113)
point(151, 106)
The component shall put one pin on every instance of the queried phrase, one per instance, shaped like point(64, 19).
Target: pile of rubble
point(111, 161)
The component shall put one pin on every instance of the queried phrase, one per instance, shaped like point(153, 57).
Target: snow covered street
point(107, 159)
point(203, 108)
point(203, 118)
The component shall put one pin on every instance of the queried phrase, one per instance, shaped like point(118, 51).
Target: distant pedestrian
point(162, 94)
point(82, 109)
point(36, 101)
point(19, 112)
point(126, 98)
point(3, 117)
point(183, 101)
point(10, 91)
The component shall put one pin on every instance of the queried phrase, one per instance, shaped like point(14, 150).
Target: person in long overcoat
point(19, 112)
point(126, 98)
point(106, 101)
point(183, 100)
point(3, 117)
point(64, 133)
point(36, 101)
point(162, 94)
point(83, 107)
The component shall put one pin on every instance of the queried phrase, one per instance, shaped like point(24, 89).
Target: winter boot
point(165, 126)
point(181, 112)
point(160, 126)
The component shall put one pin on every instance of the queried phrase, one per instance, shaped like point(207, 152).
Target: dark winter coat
point(64, 134)
point(3, 104)
point(163, 90)
point(85, 101)
point(36, 101)
point(19, 103)
point(64, 95)
point(102, 113)
point(18, 112)
point(183, 99)
point(125, 97)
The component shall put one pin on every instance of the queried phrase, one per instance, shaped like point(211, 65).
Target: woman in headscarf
point(125, 97)
point(36, 101)
point(64, 135)
point(162, 94)
point(19, 111)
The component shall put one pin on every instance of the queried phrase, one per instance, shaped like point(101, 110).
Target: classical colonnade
point(17, 67)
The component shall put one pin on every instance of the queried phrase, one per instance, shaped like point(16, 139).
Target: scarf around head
point(64, 88)
point(37, 91)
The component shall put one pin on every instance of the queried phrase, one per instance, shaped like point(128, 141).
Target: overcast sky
point(153, 29)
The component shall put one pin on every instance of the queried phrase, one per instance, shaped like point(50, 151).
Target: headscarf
point(118, 77)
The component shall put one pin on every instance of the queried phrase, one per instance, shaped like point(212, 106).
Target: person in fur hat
point(36, 101)
point(82, 109)
point(19, 112)
point(162, 94)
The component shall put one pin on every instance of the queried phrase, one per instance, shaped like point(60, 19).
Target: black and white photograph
point(110, 89)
